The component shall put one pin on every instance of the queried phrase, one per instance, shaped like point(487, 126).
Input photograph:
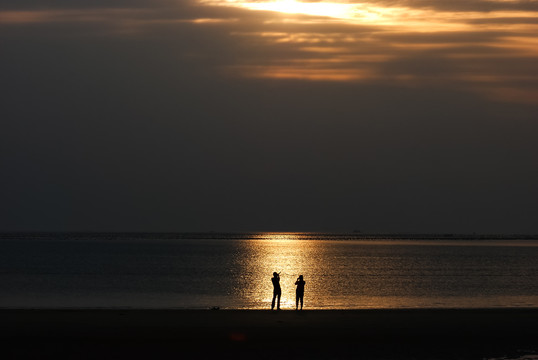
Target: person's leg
point(278, 301)
point(302, 295)
point(273, 302)
point(296, 301)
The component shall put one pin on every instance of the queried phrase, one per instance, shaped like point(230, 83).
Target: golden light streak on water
point(286, 254)
point(366, 274)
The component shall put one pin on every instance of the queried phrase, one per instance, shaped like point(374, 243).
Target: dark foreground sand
point(252, 334)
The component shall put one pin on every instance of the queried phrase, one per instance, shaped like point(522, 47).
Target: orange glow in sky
point(367, 13)
point(320, 43)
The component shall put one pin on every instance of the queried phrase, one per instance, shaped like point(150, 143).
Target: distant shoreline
point(352, 235)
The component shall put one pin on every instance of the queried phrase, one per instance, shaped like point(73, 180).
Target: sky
point(241, 115)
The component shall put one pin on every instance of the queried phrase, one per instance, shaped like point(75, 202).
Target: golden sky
point(490, 47)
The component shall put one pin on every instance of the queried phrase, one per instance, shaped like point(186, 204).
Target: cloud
point(459, 5)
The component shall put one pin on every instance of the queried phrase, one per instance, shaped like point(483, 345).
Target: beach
point(372, 334)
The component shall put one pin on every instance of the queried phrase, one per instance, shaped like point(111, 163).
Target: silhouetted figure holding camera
point(277, 291)
point(299, 292)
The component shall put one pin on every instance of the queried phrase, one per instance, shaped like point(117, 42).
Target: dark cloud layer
point(139, 116)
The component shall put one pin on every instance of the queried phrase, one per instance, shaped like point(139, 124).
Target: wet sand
point(242, 334)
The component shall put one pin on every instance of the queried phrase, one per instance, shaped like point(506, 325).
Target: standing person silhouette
point(276, 290)
point(299, 292)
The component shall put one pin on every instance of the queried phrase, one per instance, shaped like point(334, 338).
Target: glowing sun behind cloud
point(330, 9)
point(352, 12)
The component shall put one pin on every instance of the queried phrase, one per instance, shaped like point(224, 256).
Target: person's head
point(300, 277)
point(275, 274)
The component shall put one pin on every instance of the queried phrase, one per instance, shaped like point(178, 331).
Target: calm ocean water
point(234, 271)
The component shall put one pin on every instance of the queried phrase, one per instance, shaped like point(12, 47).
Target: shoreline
point(370, 333)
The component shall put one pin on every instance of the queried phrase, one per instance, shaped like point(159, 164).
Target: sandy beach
point(373, 334)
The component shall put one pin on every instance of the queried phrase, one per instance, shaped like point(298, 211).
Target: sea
point(234, 270)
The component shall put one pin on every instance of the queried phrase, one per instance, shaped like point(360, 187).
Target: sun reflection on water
point(380, 273)
point(278, 252)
